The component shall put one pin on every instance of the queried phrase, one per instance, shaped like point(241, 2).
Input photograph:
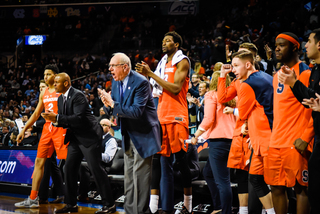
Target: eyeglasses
point(113, 66)
point(105, 125)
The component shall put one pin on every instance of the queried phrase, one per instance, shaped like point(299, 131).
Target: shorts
point(173, 137)
point(239, 155)
point(52, 138)
point(256, 165)
point(285, 166)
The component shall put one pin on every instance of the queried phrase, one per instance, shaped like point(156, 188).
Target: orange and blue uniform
point(284, 164)
point(52, 137)
point(256, 105)
point(173, 115)
point(239, 152)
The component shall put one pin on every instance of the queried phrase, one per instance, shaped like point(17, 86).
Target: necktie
point(121, 91)
point(64, 104)
point(121, 98)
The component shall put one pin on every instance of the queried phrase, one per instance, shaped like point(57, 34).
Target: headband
point(289, 38)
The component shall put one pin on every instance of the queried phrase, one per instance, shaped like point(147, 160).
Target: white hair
point(124, 59)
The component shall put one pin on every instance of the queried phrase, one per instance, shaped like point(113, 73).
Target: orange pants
point(256, 165)
point(173, 137)
point(285, 166)
point(239, 155)
point(52, 138)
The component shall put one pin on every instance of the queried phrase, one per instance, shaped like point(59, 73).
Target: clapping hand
point(105, 97)
point(287, 76)
point(313, 103)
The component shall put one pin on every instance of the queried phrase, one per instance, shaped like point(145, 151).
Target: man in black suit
point(85, 135)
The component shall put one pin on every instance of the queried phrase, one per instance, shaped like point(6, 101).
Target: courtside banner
point(16, 166)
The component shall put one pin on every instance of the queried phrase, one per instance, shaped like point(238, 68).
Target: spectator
point(218, 128)
point(5, 136)
point(194, 89)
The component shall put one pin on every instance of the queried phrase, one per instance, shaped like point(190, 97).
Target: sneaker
point(98, 198)
point(28, 203)
point(185, 211)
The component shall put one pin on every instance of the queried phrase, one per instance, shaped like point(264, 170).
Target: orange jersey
point(226, 94)
point(173, 108)
point(50, 101)
point(255, 105)
point(291, 118)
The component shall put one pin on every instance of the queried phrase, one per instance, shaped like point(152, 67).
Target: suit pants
point(314, 174)
point(92, 154)
point(137, 180)
point(51, 169)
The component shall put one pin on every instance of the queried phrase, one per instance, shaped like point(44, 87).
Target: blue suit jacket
point(138, 115)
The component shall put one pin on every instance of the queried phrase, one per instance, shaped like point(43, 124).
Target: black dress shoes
point(106, 209)
point(57, 200)
point(68, 208)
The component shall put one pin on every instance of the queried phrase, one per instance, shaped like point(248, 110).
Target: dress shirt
point(110, 149)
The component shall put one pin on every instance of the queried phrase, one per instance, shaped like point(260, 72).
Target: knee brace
point(242, 178)
point(259, 185)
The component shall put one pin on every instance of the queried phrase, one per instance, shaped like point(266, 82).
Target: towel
point(178, 56)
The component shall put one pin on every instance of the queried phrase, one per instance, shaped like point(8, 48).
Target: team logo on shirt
point(305, 176)
point(169, 70)
point(280, 88)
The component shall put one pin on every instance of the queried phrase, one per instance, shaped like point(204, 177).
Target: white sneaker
point(28, 203)
point(98, 198)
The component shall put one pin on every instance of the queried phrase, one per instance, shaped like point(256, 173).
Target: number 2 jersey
point(50, 101)
point(52, 138)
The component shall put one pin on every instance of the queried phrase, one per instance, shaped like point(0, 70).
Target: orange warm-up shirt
point(226, 94)
point(173, 108)
point(256, 105)
point(291, 119)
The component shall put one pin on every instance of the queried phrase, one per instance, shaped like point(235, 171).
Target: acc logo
point(52, 12)
point(182, 8)
point(35, 40)
point(18, 13)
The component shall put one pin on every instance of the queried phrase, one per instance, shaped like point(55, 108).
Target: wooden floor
point(7, 207)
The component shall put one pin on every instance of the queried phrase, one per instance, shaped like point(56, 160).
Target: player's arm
point(179, 76)
point(301, 144)
point(308, 134)
point(247, 100)
point(34, 117)
point(226, 94)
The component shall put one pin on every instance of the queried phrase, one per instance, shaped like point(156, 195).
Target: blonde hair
point(217, 66)
point(244, 55)
point(197, 66)
point(214, 87)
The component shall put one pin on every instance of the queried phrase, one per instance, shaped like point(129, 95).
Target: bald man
point(85, 135)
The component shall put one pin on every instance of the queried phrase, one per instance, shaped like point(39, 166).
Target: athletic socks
point(188, 202)
point(270, 211)
point(153, 205)
point(34, 194)
point(243, 210)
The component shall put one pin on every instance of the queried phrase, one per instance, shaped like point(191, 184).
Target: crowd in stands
point(205, 45)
